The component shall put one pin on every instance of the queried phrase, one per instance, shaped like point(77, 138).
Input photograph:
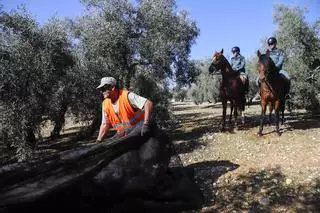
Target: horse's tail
point(286, 83)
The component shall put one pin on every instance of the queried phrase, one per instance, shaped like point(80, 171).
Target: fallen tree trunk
point(28, 181)
point(118, 176)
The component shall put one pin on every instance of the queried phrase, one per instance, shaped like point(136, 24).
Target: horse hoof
point(259, 134)
point(279, 133)
point(222, 129)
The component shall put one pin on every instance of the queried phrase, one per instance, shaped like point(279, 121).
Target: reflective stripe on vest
point(126, 117)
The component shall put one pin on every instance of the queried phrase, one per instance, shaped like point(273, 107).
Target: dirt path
point(241, 172)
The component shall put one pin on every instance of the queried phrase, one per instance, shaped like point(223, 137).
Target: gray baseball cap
point(107, 81)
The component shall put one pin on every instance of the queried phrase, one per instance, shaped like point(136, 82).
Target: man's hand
point(145, 129)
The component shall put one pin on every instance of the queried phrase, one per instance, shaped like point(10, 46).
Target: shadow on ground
point(207, 173)
point(206, 122)
point(194, 126)
point(266, 191)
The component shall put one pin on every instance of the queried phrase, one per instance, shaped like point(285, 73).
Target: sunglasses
point(106, 87)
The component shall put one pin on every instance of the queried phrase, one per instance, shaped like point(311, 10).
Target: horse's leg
point(282, 116)
point(236, 117)
point(271, 105)
point(263, 112)
point(282, 111)
point(243, 117)
point(287, 85)
point(277, 109)
point(242, 109)
point(224, 111)
point(231, 112)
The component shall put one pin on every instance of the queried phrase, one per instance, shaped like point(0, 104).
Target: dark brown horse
point(232, 89)
point(273, 89)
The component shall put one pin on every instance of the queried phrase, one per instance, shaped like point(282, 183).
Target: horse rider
point(277, 56)
point(238, 63)
point(123, 110)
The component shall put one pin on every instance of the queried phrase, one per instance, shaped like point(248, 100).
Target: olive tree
point(301, 43)
point(33, 61)
point(206, 86)
point(142, 45)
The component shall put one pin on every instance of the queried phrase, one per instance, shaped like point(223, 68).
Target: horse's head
point(217, 62)
point(266, 66)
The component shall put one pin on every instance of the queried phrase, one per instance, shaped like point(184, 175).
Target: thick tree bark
point(30, 137)
point(59, 121)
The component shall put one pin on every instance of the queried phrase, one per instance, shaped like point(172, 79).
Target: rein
point(269, 87)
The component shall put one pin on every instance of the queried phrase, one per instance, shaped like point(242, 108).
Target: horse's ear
point(221, 51)
point(258, 53)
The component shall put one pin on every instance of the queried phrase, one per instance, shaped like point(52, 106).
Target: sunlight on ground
point(71, 126)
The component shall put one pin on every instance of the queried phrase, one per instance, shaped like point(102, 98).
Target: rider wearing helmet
point(237, 60)
point(277, 56)
point(238, 63)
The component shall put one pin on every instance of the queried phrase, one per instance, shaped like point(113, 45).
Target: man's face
point(272, 46)
point(106, 91)
point(235, 53)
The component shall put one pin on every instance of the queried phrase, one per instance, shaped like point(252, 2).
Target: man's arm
point(281, 59)
point(242, 63)
point(232, 64)
point(148, 105)
point(104, 128)
point(141, 103)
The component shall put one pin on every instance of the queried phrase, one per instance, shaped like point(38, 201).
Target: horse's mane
point(271, 69)
point(231, 71)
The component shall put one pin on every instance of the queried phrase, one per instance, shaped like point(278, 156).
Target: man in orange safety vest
point(123, 110)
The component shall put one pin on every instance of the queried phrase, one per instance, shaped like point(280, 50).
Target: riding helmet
point(272, 40)
point(235, 49)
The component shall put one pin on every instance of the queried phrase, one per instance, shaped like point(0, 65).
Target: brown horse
point(273, 89)
point(232, 88)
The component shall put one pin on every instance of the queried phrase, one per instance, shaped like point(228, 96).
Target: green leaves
point(150, 35)
point(36, 59)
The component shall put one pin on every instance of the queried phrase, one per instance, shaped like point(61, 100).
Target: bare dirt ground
point(241, 172)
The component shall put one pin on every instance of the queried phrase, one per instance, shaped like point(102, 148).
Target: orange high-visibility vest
point(127, 116)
